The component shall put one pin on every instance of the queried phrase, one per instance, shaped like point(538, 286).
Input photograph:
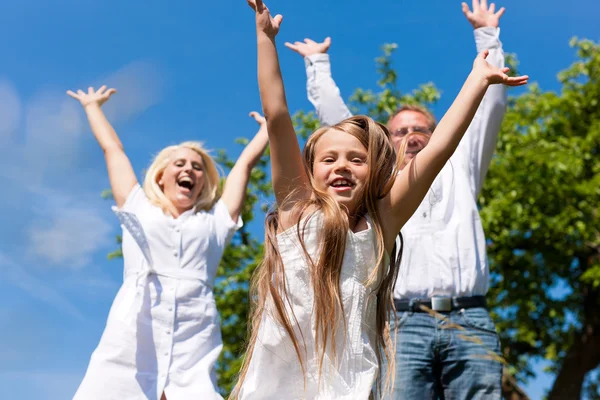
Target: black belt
point(443, 304)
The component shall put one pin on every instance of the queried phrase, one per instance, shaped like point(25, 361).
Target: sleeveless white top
point(275, 371)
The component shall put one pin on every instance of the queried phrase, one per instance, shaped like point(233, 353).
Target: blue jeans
point(437, 360)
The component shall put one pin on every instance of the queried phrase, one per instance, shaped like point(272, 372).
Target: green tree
point(540, 211)
point(237, 265)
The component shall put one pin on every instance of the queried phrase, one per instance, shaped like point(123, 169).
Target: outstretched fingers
point(258, 118)
point(110, 92)
point(513, 80)
point(466, 10)
point(100, 95)
point(292, 46)
point(252, 4)
point(257, 5)
point(73, 95)
point(516, 80)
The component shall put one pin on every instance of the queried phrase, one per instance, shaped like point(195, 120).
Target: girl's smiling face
point(340, 167)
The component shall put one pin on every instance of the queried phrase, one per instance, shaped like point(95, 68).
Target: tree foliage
point(540, 211)
point(238, 262)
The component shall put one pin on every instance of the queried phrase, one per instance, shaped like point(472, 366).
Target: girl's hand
point(264, 22)
point(493, 75)
point(97, 97)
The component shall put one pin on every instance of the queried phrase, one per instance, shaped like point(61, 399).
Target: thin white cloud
point(70, 238)
point(10, 111)
point(53, 131)
point(41, 165)
point(140, 85)
point(13, 273)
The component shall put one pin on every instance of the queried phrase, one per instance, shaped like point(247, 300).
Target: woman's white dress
point(162, 332)
point(274, 371)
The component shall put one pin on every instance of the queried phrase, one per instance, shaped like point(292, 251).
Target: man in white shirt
point(444, 265)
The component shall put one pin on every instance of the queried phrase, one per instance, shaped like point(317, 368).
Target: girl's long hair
point(268, 290)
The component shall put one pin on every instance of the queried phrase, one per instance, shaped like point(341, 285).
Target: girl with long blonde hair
point(323, 293)
point(162, 338)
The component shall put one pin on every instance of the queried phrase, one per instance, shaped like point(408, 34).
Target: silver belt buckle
point(443, 304)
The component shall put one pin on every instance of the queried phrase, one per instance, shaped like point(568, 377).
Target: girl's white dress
point(274, 371)
point(162, 332)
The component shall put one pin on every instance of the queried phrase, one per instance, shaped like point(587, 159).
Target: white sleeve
point(478, 145)
point(135, 200)
point(225, 226)
point(323, 93)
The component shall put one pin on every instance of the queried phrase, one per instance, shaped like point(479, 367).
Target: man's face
point(407, 122)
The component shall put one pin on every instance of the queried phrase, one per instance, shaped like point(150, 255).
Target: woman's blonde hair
point(268, 282)
point(209, 194)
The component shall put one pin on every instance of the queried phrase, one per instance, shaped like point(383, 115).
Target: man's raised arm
point(479, 142)
point(323, 93)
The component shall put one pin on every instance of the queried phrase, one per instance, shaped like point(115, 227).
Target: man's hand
point(309, 47)
point(482, 15)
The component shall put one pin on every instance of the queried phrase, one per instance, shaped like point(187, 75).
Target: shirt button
point(177, 230)
point(167, 354)
point(175, 253)
point(168, 332)
point(170, 308)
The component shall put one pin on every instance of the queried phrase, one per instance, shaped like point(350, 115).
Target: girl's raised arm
point(413, 182)
point(234, 191)
point(286, 162)
point(120, 172)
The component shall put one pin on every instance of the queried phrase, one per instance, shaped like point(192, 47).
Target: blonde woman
point(162, 337)
point(324, 289)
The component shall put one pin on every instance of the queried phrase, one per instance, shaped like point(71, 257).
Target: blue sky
point(186, 70)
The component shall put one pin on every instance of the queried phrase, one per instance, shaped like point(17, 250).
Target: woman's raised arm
point(120, 172)
point(234, 191)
